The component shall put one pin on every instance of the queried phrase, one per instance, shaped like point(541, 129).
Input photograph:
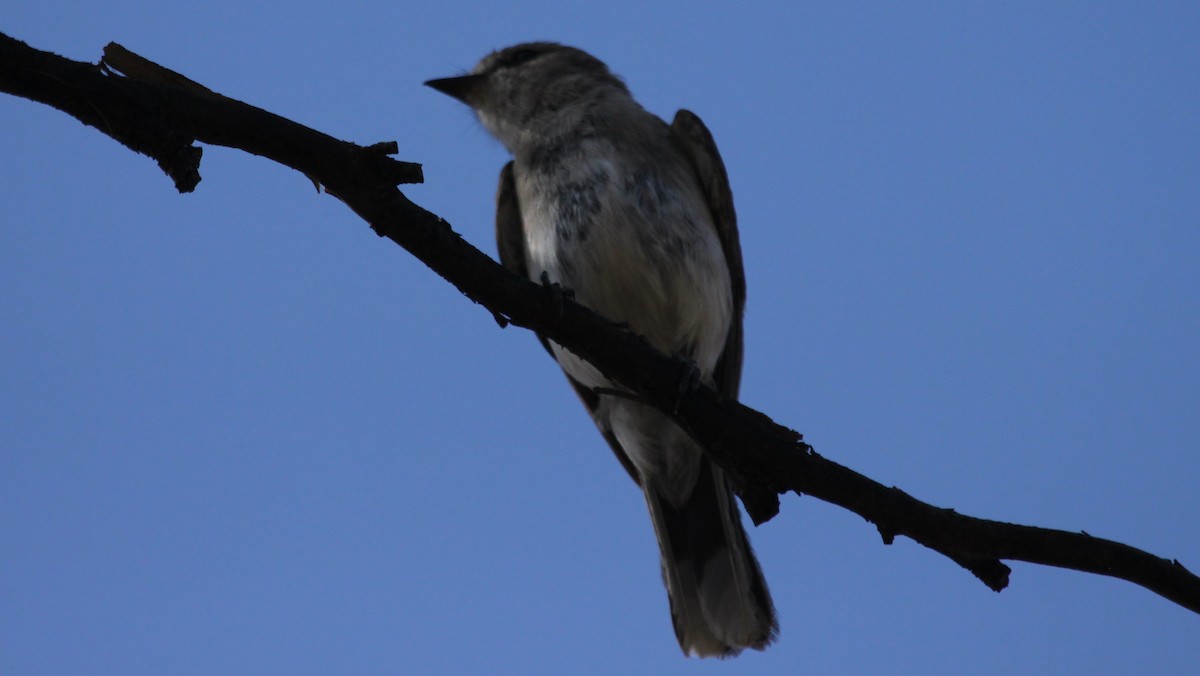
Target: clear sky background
point(242, 434)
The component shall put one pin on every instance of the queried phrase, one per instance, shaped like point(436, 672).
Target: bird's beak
point(461, 88)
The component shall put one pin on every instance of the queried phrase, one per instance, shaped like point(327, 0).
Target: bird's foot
point(689, 378)
point(557, 293)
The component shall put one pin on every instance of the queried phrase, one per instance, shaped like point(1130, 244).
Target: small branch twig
point(159, 113)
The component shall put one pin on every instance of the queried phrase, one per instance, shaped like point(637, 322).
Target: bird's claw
point(689, 379)
point(557, 293)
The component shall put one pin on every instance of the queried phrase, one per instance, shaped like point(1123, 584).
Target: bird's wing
point(510, 241)
point(694, 139)
point(510, 232)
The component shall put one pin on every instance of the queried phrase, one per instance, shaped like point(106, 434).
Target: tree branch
point(159, 113)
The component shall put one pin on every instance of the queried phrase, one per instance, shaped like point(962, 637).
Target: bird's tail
point(719, 599)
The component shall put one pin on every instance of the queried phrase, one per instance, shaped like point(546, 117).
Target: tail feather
point(719, 600)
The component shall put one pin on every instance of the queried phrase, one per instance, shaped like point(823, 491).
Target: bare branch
point(160, 113)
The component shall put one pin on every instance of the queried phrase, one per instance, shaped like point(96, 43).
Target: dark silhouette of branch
point(162, 114)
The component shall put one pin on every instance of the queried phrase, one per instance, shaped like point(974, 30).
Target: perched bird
point(635, 217)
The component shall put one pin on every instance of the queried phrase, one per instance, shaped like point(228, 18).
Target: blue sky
point(241, 434)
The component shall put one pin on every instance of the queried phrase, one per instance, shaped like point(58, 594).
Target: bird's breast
point(635, 242)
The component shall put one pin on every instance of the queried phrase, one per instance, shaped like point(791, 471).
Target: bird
point(635, 218)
